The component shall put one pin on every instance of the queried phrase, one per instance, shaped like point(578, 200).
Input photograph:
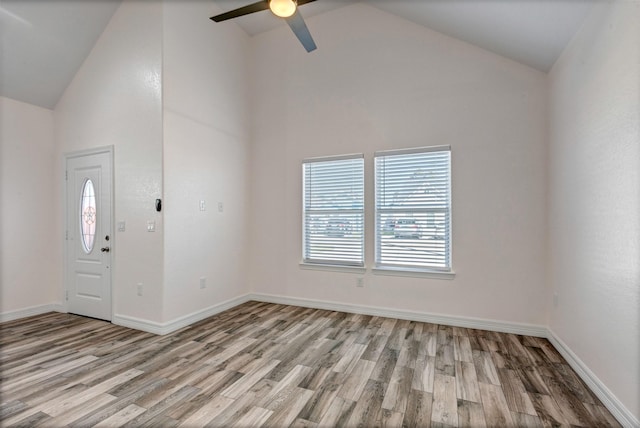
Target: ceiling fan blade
point(297, 24)
point(245, 10)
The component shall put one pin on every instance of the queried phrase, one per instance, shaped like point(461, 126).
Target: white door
point(88, 235)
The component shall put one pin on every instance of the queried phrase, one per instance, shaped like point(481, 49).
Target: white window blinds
point(413, 209)
point(333, 210)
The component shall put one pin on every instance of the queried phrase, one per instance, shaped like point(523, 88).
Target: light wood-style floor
point(262, 364)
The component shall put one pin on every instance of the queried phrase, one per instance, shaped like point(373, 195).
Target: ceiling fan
point(287, 9)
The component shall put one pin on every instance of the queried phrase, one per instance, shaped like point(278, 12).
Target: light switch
point(151, 226)
point(122, 226)
point(203, 206)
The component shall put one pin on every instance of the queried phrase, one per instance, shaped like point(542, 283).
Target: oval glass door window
point(88, 216)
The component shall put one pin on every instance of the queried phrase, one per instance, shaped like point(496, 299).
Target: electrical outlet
point(360, 282)
point(139, 289)
point(203, 282)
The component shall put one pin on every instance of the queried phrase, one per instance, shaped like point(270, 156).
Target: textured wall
point(206, 142)
point(379, 82)
point(30, 272)
point(594, 194)
point(116, 99)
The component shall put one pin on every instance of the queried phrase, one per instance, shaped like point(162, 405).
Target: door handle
point(104, 249)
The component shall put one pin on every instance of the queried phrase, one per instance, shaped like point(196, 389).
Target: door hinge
point(66, 295)
point(66, 235)
point(66, 175)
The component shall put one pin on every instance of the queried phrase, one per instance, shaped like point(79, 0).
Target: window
point(88, 216)
point(333, 211)
point(413, 209)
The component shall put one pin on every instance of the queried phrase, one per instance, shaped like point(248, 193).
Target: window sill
point(419, 273)
point(334, 268)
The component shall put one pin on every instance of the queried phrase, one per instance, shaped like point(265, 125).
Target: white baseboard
point(178, 323)
point(30, 311)
point(456, 321)
point(610, 401)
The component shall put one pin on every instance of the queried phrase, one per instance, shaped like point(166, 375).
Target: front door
point(89, 241)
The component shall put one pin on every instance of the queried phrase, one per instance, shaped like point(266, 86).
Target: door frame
point(109, 150)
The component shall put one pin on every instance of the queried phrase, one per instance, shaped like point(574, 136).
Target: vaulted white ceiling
point(43, 43)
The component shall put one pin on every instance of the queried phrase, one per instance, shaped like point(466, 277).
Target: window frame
point(333, 264)
point(415, 269)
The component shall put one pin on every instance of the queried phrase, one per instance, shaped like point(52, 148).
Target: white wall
point(115, 99)
point(30, 274)
point(205, 81)
point(379, 82)
point(594, 194)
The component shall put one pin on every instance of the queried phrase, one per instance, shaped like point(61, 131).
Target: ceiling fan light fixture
point(283, 8)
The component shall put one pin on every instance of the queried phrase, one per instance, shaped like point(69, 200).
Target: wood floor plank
point(389, 418)
point(532, 380)
point(423, 374)
point(338, 412)
point(355, 382)
point(217, 381)
point(548, 410)
point(255, 417)
point(445, 362)
point(322, 397)
point(35, 419)
point(494, 404)
point(121, 417)
point(409, 354)
point(38, 375)
point(516, 395)
point(302, 423)
point(57, 407)
point(286, 410)
point(384, 366)
point(602, 415)
point(366, 412)
point(428, 343)
point(231, 351)
point(270, 365)
point(208, 411)
point(55, 389)
point(485, 369)
point(163, 407)
point(526, 421)
point(397, 393)
point(350, 358)
point(292, 379)
point(571, 407)
point(247, 381)
point(149, 386)
point(418, 411)
point(29, 411)
point(375, 347)
point(79, 410)
point(242, 405)
point(462, 349)
point(9, 408)
point(574, 384)
point(470, 414)
point(445, 404)
point(467, 382)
